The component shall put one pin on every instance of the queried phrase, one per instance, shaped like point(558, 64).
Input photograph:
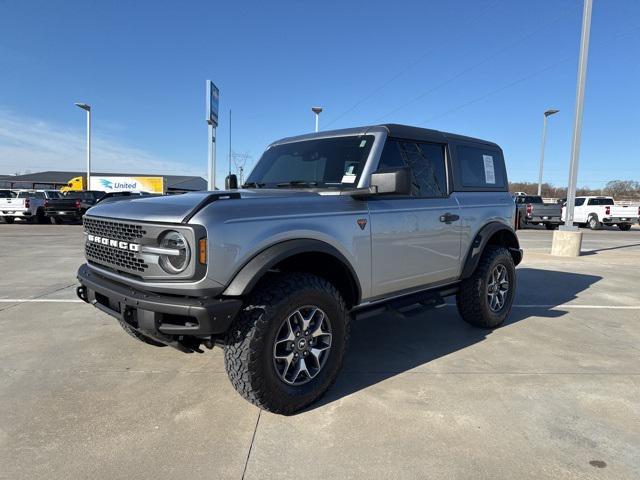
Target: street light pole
point(548, 113)
point(567, 241)
point(87, 108)
point(577, 122)
point(317, 111)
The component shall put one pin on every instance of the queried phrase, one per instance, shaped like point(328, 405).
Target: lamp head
point(84, 106)
point(316, 110)
point(550, 112)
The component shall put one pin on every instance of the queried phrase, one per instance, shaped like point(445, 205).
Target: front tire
point(485, 298)
point(138, 336)
point(286, 347)
point(625, 227)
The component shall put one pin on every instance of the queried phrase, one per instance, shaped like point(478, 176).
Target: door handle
point(449, 217)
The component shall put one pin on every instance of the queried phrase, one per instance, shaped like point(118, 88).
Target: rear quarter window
point(479, 168)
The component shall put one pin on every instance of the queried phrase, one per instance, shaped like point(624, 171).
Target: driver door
point(416, 239)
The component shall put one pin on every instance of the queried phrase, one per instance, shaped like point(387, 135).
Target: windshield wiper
point(253, 185)
point(297, 183)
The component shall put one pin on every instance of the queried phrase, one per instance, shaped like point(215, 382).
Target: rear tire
point(268, 331)
point(40, 218)
point(624, 226)
point(9, 219)
point(475, 300)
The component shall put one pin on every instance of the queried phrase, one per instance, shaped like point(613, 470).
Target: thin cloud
point(28, 144)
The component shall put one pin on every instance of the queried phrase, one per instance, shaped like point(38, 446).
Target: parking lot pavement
point(555, 393)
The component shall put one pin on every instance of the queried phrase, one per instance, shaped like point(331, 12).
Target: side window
point(426, 161)
point(478, 167)
point(579, 202)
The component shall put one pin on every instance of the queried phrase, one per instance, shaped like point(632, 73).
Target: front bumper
point(165, 318)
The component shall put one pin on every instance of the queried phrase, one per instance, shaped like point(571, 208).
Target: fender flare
point(247, 277)
point(481, 240)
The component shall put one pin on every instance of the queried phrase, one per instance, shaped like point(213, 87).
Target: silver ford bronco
point(329, 227)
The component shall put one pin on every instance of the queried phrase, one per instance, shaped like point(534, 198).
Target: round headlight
point(178, 260)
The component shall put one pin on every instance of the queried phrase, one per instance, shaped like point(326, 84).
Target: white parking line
point(564, 305)
point(40, 300)
point(569, 305)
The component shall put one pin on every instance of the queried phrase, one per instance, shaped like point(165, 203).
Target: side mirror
point(395, 180)
point(231, 182)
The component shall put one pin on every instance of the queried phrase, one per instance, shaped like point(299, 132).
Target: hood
point(177, 208)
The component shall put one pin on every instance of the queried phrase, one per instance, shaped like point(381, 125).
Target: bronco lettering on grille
point(132, 247)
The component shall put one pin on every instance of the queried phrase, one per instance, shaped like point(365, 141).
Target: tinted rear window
point(480, 168)
point(601, 201)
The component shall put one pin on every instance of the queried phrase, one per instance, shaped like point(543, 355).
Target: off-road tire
point(40, 218)
point(472, 297)
point(139, 336)
point(624, 226)
point(250, 339)
point(593, 223)
point(9, 219)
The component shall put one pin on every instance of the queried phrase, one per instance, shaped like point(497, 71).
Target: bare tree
point(239, 162)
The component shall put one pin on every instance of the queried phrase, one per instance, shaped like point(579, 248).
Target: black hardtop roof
point(426, 134)
point(393, 130)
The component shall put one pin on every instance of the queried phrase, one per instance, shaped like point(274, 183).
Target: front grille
point(114, 257)
point(126, 232)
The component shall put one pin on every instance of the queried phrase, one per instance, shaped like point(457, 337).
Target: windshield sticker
point(348, 178)
point(489, 172)
point(363, 143)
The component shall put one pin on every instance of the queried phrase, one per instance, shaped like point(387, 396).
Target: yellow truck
point(76, 184)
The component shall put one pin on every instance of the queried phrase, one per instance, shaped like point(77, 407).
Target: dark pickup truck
point(533, 211)
point(72, 206)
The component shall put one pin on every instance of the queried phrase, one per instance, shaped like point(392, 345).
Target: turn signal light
point(202, 251)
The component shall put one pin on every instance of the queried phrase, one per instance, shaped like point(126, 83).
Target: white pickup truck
point(597, 211)
point(27, 204)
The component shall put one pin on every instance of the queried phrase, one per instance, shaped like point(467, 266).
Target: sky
point(483, 68)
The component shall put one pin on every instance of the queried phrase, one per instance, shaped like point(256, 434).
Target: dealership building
point(55, 180)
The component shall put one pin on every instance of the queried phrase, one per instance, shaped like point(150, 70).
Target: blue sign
point(213, 100)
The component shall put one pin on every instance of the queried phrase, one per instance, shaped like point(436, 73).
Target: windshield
point(325, 162)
